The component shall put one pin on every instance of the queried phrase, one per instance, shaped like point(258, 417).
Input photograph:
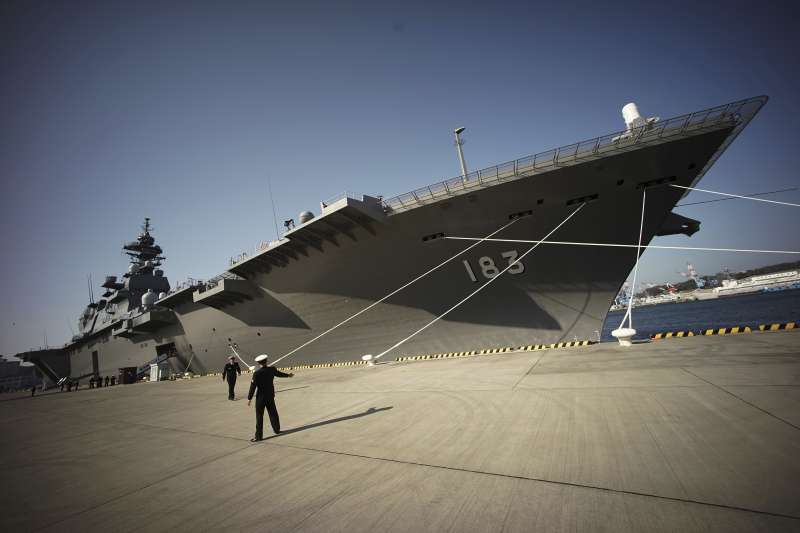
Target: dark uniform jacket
point(230, 371)
point(262, 380)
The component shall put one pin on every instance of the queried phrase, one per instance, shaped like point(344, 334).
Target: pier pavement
point(693, 434)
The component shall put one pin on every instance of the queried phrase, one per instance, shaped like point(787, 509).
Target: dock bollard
point(368, 358)
point(624, 335)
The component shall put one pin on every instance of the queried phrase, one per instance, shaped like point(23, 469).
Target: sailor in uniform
point(230, 372)
point(265, 398)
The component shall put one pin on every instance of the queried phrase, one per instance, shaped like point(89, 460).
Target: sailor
point(262, 381)
point(230, 372)
point(105, 381)
point(113, 380)
point(91, 382)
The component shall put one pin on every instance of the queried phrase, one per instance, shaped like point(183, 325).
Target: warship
point(288, 296)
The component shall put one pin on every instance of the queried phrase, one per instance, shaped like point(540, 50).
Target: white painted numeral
point(470, 273)
point(511, 256)
point(489, 268)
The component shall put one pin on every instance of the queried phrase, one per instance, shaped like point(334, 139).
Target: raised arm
point(280, 374)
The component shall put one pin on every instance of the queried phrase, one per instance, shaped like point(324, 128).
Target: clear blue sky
point(115, 111)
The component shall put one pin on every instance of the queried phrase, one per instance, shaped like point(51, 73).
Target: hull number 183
point(488, 268)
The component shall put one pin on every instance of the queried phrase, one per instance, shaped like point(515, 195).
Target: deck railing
point(736, 114)
point(342, 195)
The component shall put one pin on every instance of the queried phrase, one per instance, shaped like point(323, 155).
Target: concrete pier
point(691, 434)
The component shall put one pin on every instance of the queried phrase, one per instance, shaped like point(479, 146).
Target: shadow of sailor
point(369, 411)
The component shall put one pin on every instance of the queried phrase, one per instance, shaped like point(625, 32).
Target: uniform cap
point(262, 357)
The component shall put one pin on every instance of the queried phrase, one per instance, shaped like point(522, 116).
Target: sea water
point(745, 310)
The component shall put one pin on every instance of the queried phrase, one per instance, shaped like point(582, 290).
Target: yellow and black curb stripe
point(425, 357)
point(735, 330)
point(571, 344)
point(671, 334)
point(727, 331)
point(494, 351)
point(324, 365)
point(713, 331)
point(778, 327)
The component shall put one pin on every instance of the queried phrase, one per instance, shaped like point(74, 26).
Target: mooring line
point(616, 245)
point(236, 353)
point(628, 315)
point(437, 267)
point(476, 291)
point(726, 199)
point(734, 195)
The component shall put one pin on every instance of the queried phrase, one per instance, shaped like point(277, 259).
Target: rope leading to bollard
point(628, 316)
point(743, 197)
point(437, 267)
point(476, 291)
point(236, 353)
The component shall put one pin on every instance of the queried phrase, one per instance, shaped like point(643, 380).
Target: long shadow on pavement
point(369, 411)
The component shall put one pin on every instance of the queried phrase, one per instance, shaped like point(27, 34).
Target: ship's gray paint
point(563, 294)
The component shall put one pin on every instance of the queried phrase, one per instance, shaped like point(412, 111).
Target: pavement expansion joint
point(148, 426)
point(726, 391)
point(528, 373)
point(194, 466)
point(533, 479)
point(657, 436)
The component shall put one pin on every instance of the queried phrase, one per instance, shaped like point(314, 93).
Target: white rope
point(734, 195)
point(476, 291)
point(646, 247)
point(189, 364)
point(437, 267)
point(239, 356)
point(727, 199)
point(628, 314)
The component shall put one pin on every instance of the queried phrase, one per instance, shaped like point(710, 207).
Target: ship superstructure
point(359, 249)
point(137, 292)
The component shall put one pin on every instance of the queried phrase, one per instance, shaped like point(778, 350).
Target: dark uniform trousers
point(229, 374)
point(266, 401)
point(231, 385)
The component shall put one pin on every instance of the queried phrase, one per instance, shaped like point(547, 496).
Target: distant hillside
point(717, 278)
point(780, 267)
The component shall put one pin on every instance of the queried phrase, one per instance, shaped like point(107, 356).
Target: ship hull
point(563, 293)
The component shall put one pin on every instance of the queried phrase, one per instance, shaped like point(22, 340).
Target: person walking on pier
point(265, 398)
point(230, 372)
